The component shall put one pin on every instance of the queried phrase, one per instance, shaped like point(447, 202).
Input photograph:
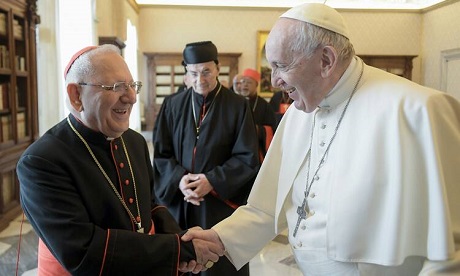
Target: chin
point(302, 107)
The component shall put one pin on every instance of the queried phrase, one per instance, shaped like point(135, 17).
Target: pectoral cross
point(302, 211)
point(140, 229)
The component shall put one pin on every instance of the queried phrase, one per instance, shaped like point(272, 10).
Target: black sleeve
point(187, 252)
point(164, 221)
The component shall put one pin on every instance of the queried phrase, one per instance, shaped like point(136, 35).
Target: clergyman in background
point(264, 117)
point(205, 149)
point(236, 84)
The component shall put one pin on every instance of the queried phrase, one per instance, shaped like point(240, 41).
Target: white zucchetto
point(319, 15)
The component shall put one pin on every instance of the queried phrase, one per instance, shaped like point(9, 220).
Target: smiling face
point(105, 110)
point(295, 72)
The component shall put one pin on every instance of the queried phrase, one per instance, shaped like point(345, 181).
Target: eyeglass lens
point(123, 86)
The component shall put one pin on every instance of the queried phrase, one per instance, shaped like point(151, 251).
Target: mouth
point(121, 111)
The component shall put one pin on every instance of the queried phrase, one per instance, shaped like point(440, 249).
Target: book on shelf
point(2, 24)
point(4, 99)
point(4, 57)
point(5, 128)
point(8, 187)
point(21, 123)
point(17, 29)
point(20, 63)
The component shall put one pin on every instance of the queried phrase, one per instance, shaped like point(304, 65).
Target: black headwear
point(200, 52)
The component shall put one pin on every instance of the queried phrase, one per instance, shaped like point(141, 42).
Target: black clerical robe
point(75, 212)
point(225, 151)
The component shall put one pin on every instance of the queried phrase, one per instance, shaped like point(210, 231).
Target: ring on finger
point(209, 264)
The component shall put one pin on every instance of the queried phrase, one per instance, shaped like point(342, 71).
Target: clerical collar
point(95, 137)
point(343, 88)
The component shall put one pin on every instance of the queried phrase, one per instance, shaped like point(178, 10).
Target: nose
point(129, 95)
point(200, 78)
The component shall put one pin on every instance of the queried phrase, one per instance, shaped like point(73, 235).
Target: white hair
point(310, 37)
point(83, 67)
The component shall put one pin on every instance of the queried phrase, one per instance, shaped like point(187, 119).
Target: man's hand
point(206, 252)
point(208, 247)
point(207, 235)
point(187, 189)
point(194, 187)
point(191, 266)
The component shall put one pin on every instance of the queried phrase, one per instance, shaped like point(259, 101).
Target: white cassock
point(385, 199)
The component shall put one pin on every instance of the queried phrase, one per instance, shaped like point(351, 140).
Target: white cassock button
point(303, 227)
point(312, 195)
point(322, 144)
point(316, 178)
point(323, 126)
point(299, 244)
point(312, 213)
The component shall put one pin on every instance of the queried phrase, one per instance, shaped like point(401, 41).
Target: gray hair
point(310, 37)
point(83, 67)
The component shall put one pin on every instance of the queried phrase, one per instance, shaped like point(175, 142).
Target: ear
point(74, 96)
point(329, 59)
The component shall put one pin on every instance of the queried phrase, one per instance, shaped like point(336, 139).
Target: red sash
point(48, 265)
point(268, 140)
point(228, 202)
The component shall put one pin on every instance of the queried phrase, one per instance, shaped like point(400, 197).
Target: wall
point(112, 16)
point(105, 18)
point(387, 33)
point(169, 28)
point(440, 32)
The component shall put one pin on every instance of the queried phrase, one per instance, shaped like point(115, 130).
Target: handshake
point(208, 249)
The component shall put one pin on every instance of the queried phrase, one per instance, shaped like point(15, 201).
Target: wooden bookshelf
point(18, 96)
point(398, 65)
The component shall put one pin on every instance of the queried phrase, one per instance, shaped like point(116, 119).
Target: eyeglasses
point(118, 86)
